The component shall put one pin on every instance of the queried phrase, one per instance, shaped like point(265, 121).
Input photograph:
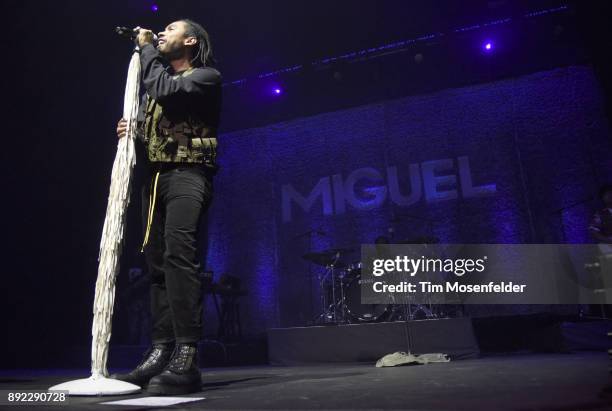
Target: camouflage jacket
point(179, 114)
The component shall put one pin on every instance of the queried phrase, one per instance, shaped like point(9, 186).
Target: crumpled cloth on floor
point(402, 358)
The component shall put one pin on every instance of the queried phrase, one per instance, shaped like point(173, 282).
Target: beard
point(170, 52)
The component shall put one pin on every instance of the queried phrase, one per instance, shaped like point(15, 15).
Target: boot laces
point(181, 358)
point(151, 355)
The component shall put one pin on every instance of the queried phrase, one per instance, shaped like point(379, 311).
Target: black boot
point(154, 361)
point(181, 376)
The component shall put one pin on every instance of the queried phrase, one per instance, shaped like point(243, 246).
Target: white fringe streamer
point(112, 233)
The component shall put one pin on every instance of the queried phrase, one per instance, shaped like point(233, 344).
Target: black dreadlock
point(203, 56)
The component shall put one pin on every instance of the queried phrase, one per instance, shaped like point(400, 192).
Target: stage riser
point(369, 342)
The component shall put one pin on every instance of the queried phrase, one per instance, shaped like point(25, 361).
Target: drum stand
point(405, 310)
point(329, 314)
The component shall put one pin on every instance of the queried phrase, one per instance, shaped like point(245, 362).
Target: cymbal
point(326, 258)
point(420, 240)
point(341, 250)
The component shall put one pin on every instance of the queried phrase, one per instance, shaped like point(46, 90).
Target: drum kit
point(340, 288)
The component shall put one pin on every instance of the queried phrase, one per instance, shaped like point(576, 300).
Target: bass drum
point(358, 312)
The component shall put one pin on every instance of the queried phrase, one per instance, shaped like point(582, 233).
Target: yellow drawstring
point(151, 209)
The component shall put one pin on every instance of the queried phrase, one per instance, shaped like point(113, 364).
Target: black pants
point(183, 194)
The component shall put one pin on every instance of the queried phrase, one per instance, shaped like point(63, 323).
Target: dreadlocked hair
point(203, 49)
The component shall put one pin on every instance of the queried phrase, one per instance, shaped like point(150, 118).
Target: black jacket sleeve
point(140, 119)
point(163, 87)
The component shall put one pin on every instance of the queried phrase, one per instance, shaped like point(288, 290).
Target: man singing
point(178, 124)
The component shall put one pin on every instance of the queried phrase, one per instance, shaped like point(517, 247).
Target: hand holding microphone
point(140, 35)
point(145, 37)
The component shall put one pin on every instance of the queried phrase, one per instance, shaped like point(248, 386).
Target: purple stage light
point(277, 91)
point(154, 7)
point(488, 46)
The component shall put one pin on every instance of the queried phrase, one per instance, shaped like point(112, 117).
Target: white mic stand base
point(96, 385)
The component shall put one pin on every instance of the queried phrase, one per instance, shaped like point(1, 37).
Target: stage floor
point(512, 382)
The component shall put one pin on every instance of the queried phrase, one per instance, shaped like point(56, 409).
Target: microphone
point(131, 33)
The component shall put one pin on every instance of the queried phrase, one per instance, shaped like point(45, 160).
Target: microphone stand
point(308, 234)
point(110, 251)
